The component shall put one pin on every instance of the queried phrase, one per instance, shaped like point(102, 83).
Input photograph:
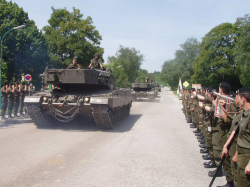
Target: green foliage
point(130, 59)
point(171, 72)
point(143, 74)
point(242, 49)
point(216, 63)
point(69, 36)
point(182, 65)
point(118, 72)
point(24, 50)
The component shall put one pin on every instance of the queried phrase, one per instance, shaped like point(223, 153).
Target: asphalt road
point(153, 147)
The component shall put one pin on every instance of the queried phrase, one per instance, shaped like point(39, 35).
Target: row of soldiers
point(13, 98)
point(218, 118)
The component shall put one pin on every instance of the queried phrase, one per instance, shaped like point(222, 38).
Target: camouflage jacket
point(96, 63)
point(10, 93)
point(3, 92)
point(72, 66)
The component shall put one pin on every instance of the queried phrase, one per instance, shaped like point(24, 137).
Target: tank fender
point(99, 101)
point(32, 99)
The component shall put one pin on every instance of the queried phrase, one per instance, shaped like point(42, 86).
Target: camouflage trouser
point(216, 147)
point(4, 104)
point(232, 151)
point(189, 113)
point(16, 104)
point(226, 164)
point(243, 180)
point(10, 105)
point(208, 139)
point(21, 104)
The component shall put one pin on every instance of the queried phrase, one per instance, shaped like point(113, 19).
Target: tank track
point(109, 118)
point(36, 115)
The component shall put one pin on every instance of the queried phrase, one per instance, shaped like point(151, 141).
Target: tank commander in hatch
point(75, 65)
point(96, 62)
point(137, 80)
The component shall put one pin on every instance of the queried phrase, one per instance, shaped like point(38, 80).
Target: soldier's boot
point(22, 114)
point(210, 164)
point(10, 116)
point(204, 150)
point(3, 118)
point(196, 131)
point(15, 115)
point(211, 173)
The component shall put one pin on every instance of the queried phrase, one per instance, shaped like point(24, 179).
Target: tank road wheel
point(109, 118)
point(38, 116)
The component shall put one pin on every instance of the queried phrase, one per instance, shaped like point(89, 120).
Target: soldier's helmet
point(96, 55)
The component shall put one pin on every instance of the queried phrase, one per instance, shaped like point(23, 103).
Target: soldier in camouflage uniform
point(22, 96)
point(189, 117)
point(4, 100)
point(96, 62)
point(17, 99)
point(137, 80)
point(31, 89)
point(236, 120)
point(74, 65)
point(208, 124)
point(223, 125)
point(10, 99)
point(242, 155)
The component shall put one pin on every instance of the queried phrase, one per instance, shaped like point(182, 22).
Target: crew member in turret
point(96, 62)
point(137, 80)
point(75, 65)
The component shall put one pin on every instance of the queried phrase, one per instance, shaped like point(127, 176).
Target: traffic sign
point(185, 84)
point(27, 77)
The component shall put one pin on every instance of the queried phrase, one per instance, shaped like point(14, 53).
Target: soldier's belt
point(242, 150)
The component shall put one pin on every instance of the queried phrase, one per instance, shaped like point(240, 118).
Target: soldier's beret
point(244, 90)
point(18, 83)
point(5, 83)
point(23, 83)
point(44, 84)
point(203, 87)
point(10, 83)
point(209, 89)
point(225, 86)
point(193, 89)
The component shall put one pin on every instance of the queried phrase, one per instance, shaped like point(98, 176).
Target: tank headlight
point(86, 99)
point(44, 99)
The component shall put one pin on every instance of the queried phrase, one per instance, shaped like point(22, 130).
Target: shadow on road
point(15, 121)
point(88, 124)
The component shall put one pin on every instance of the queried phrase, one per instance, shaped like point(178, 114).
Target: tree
point(24, 50)
point(131, 60)
point(188, 52)
point(216, 61)
point(118, 72)
point(242, 49)
point(69, 36)
point(182, 65)
point(142, 74)
point(171, 72)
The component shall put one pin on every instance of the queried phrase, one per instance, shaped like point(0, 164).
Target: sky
point(155, 28)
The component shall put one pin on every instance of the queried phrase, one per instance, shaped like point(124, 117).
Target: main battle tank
point(143, 91)
point(90, 92)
